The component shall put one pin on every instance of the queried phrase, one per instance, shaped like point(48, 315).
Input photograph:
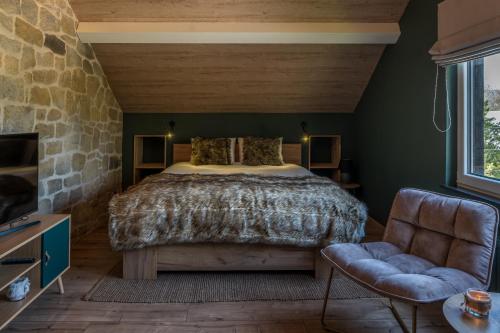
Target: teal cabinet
point(55, 252)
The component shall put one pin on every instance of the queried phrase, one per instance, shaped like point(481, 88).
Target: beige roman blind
point(467, 30)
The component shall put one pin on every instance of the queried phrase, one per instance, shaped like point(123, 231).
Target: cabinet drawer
point(55, 252)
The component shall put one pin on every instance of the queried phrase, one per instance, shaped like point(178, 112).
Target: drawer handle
point(46, 258)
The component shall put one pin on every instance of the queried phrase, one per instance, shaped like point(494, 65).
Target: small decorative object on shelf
point(19, 289)
point(477, 303)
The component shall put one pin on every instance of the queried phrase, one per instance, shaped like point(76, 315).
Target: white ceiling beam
point(237, 33)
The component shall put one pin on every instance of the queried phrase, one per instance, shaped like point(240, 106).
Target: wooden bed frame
point(145, 263)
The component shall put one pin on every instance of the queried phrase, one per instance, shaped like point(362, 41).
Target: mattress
point(286, 170)
point(284, 205)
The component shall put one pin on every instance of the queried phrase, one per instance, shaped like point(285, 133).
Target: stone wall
point(53, 84)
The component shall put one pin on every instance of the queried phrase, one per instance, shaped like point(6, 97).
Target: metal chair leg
point(401, 322)
point(325, 303)
point(414, 319)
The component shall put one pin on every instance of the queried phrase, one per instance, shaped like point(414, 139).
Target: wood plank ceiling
point(192, 78)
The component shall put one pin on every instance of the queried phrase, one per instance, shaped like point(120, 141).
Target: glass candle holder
point(477, 303)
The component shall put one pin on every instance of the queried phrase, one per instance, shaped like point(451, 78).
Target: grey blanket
point(171, 209)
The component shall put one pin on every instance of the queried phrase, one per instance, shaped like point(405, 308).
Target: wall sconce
point(305, 135)
point(170, 133)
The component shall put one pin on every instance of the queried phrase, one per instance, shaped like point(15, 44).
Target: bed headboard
point(292, 152)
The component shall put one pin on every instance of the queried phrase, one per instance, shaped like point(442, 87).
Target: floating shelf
point(150, 155)
point(325, 155)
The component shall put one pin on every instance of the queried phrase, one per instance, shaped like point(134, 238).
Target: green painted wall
point(229, 125)
point(396, 143)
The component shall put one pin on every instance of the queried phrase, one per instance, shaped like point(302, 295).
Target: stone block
point(40, 96)
point(78, 161)
point(59, 63)
point(73, 180)
point(45, 76)
point(54, 185)
point(85, 50)
point(9, 45)
point(18, 119)
point(72, 58)
point(70, 42)
point(90, 171)
point(41, 115)
point(28, 33)
point(45, 59)
point(86, 143)
point(46, 168)
point(29, 11)
point(79, 82)
point(53, 148)
point(28, 58)
point(68, 25)
point(61, 130)
point(113, 114)
point(63, 166)
point(60, 201)
point(58, 97)
point(46, 131)
point(11, 65)
point(65, 79)
point(12, 89)
point(6, 22)
point(93, 84)
point(11, 6)
point(49, 22)
point(54, 115)
point(55, 44)
point(87, 67)
point(45, 206)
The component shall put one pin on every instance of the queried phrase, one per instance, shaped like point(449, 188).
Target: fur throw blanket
point(171, 209)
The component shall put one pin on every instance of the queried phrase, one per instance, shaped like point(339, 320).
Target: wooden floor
point(92, 257)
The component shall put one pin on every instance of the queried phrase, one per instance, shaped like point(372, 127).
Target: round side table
point(464, 323)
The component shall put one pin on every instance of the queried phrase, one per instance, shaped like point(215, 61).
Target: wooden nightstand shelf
point(49, 243)
point(325, 155)
point(150, 155)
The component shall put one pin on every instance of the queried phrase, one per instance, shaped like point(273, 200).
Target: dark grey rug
point(203, 287)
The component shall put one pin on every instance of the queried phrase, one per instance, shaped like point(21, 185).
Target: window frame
point(465, 179)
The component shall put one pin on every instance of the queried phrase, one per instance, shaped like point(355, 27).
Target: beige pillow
point(210, 151)
point(261, 151)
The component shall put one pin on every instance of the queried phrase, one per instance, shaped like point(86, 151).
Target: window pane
point(485, 117)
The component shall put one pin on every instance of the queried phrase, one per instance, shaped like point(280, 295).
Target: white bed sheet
point(286, 170)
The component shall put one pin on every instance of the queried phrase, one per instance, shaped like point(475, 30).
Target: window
point(479, 125)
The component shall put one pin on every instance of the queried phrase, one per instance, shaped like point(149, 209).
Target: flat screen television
point(18, 176)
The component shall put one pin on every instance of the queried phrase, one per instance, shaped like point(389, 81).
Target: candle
point(477, 303)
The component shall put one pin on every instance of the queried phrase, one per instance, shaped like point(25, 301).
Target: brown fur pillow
point(262, 151)
point(210, 151)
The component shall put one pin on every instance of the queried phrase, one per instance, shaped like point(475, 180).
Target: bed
point(234, 217)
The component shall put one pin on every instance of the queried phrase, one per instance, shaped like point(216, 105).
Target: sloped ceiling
point(238, 78)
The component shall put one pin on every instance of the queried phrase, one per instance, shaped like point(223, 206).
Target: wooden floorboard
point(92, 258)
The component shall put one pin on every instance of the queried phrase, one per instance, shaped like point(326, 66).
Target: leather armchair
point(434, 246)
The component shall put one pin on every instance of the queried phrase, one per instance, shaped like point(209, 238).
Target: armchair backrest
point(447, 231)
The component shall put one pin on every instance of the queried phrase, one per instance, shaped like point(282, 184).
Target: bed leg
point(140, 264)
point(321, 268)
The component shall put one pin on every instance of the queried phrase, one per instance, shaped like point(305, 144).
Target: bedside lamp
point(305, 135)
point(170, 133)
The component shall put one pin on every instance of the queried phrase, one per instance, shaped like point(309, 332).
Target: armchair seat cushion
point(384, 268)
